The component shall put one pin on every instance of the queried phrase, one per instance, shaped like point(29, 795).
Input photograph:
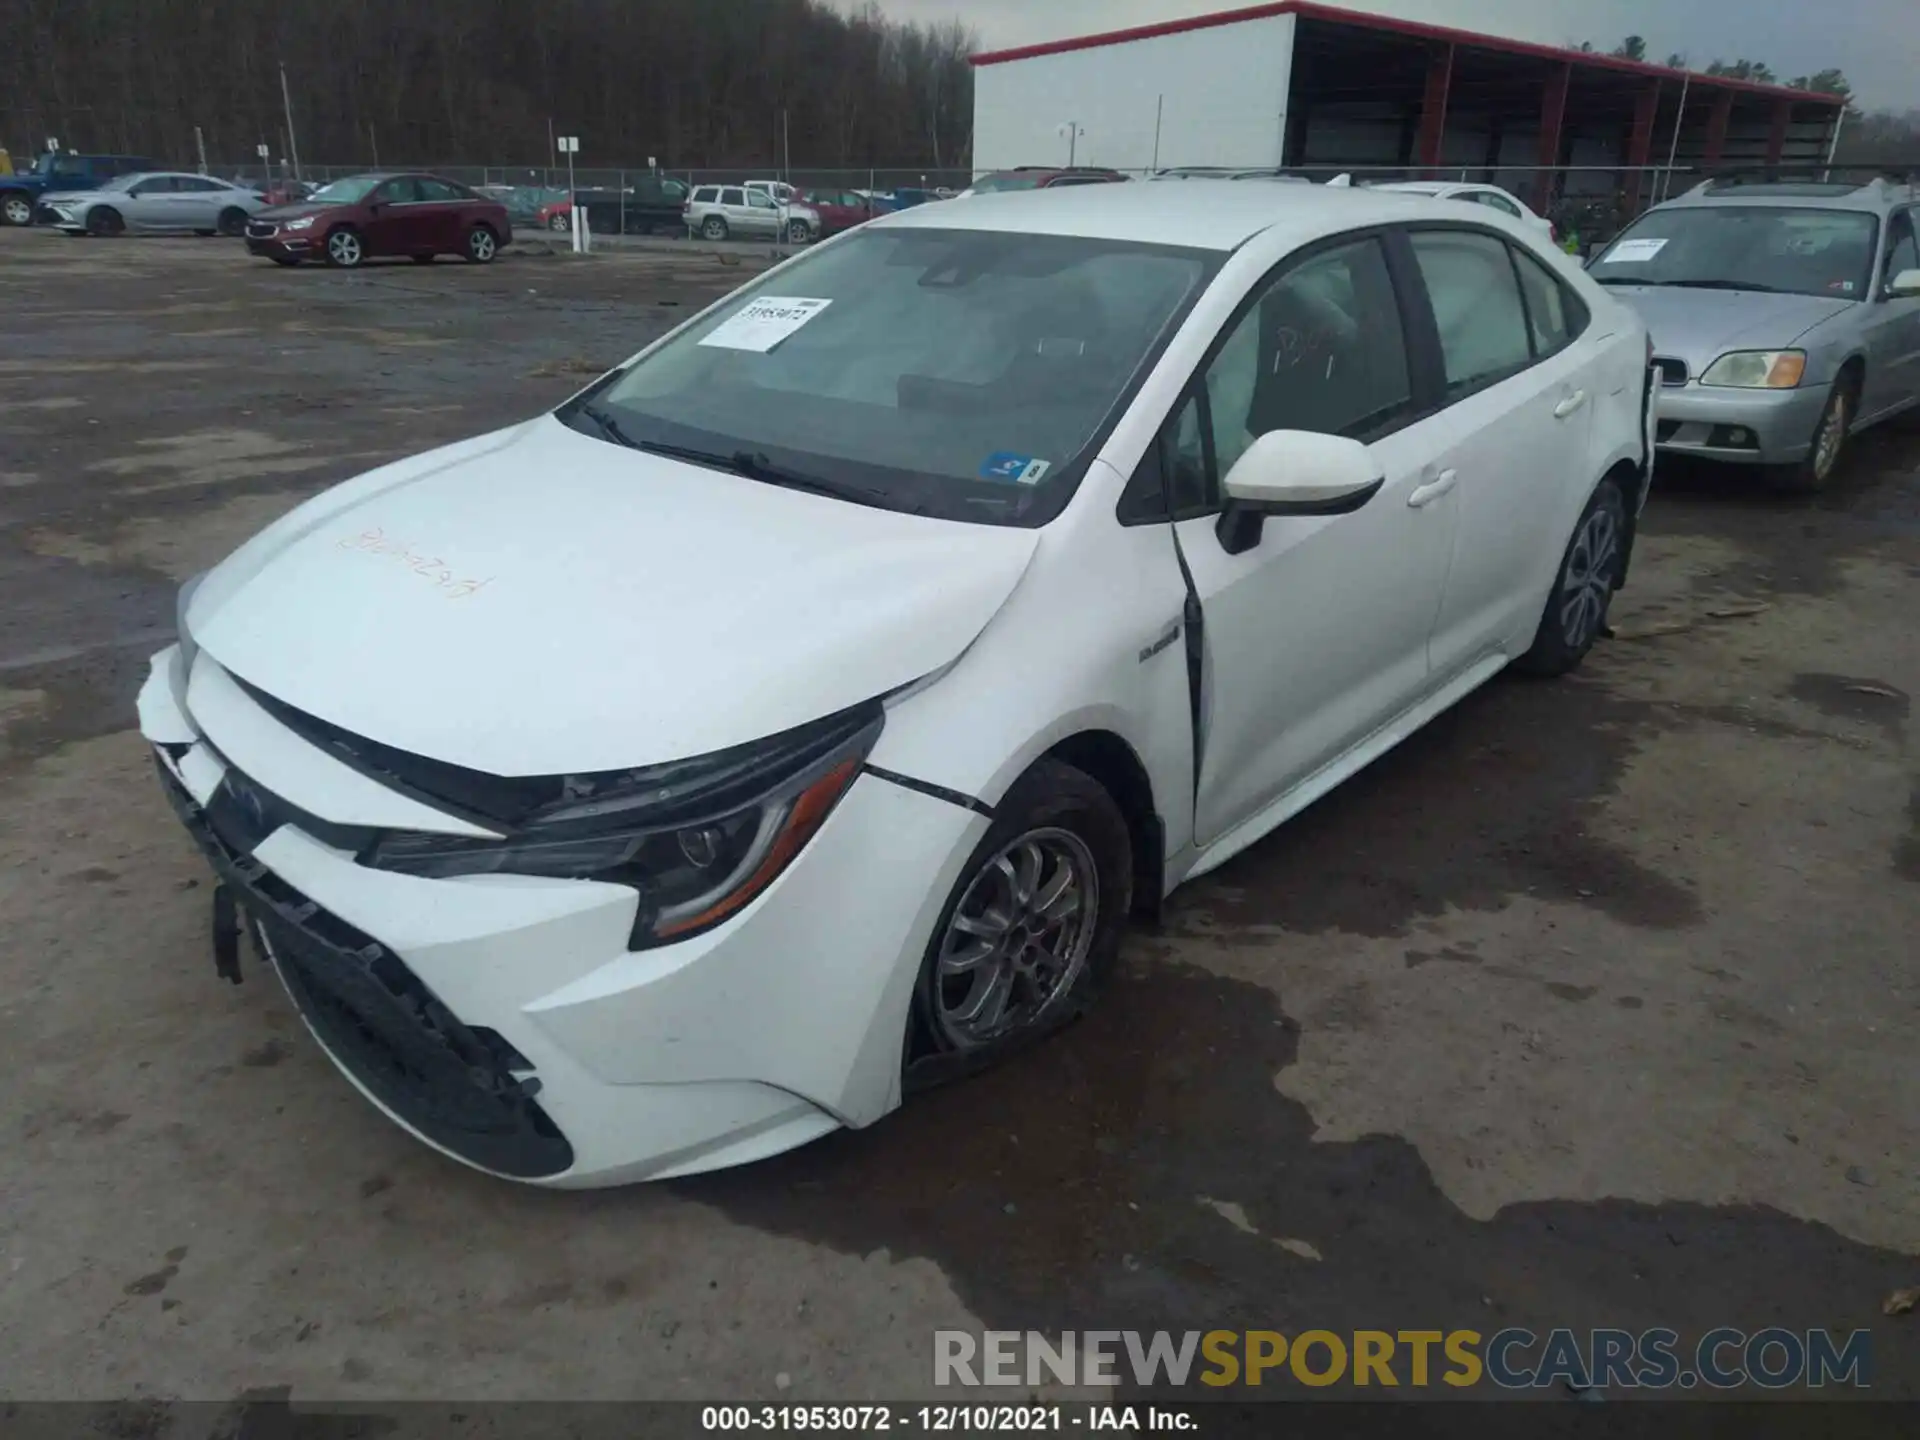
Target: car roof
point(1199, 214)
point(1875, 198)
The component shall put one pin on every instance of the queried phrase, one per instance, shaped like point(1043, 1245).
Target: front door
point(1520, 407)
point(396, 224)
point(1893, 325)
point(1315, 636)
point(151, 204)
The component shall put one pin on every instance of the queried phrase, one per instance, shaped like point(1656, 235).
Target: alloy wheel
point(1586, 588)
point(1832, 438)
point(19, 210)
point(1017, 942)
point(343, 248)
point(480, 244)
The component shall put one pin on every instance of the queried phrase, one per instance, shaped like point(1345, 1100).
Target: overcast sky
point(1877, 42)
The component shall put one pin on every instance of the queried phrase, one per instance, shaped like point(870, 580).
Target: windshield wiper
point(1728, 285)
point(755, 466)
point(607, 426)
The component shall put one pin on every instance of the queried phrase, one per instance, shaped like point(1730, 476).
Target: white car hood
point(538, 602)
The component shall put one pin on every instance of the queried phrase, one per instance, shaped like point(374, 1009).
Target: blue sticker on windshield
point(1016, 469)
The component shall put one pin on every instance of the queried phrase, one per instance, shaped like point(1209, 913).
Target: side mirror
point(1904, 286)
point(1294, 472)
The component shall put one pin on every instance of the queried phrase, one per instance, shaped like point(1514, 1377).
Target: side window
point(733, 197)
point(1322, 349)
point(437, 190)
point(397, 192)
point(197, 184)
point(1903, 249)
point(158, 185)
point(1555, 316)
point(1476, 302)
point(760, 200)
point(1497, 202)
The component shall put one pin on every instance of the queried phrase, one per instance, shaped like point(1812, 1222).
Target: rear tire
point(1829, 445)
point(105, 220)
point(16, 208)
point(560, 224)
point(232, 222)
point(1032, 928)
point(799, 232)
point(482, 245)
point(1576, 613)
point(713, 228)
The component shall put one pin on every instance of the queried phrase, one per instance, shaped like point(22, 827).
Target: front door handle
point(1426, 494)
point(1570, 405)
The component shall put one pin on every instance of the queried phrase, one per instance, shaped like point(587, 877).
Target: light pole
point(286, 100)
point(1073, 130)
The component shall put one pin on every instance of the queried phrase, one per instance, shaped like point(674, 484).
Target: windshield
point(349, 191)
point(1787, 249)
point(966, 374)
point(992, 184)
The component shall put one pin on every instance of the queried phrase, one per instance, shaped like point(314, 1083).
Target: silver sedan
point(161, 202)
point(1785, 318)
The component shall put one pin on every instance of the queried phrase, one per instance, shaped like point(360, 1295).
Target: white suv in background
point(720, 212)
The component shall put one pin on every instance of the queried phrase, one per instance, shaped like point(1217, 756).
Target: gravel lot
point(1594, 1004)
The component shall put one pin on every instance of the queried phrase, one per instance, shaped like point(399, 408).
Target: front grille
point(1672, 372)
point(260, 230)
point(453, 1083)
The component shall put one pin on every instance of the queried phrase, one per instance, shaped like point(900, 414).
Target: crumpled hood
point(1699, 326)
point(538, 602)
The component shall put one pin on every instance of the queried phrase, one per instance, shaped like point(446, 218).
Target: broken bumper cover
point(502, 1020)
point(1750, 427)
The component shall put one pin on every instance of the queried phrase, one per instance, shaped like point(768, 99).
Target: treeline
point(690, 82)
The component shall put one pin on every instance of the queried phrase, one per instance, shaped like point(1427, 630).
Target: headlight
point(698, 838)
point(1758, 370)
point(305, 222)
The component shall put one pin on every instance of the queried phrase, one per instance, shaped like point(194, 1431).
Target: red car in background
point(843, 209)
point(364, 216)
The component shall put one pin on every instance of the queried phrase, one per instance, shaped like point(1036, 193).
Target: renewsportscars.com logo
point(1513, 1359)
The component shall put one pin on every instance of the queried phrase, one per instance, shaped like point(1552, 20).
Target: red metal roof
point(1309, 10)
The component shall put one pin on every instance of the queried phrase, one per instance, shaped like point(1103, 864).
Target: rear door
point(200, 201)
point(1520, 401)
point(442, 214)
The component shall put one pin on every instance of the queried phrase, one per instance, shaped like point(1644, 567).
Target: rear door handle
point(1426, 494)
point(1570, 405)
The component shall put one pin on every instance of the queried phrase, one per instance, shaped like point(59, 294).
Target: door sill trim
point(1343, 766)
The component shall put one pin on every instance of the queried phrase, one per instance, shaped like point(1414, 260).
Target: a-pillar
point(1640, 144)
point(1433, 109)
point(1553, 126)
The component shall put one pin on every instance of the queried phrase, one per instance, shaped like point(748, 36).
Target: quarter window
point(1476, 303)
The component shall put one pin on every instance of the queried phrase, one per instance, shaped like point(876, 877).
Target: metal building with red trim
point(1301, 85)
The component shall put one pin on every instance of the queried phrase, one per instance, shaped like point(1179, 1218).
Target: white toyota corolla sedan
point(798, 714)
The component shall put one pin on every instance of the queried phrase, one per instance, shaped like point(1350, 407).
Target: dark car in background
point(57, 172)
point(1040, 177)
point(367, 216)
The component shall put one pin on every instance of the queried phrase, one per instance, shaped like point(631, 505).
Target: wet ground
point(1594, 1004)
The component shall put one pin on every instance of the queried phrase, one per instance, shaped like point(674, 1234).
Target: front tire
point(1583, 586)
point(1033, 925)
point(16, 209)
point(345, 249)
point(482, 245)
point(105, 220)
point(1829, 446)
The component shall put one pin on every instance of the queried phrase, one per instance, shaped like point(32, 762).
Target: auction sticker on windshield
point(764, 323)
point(1634, 252)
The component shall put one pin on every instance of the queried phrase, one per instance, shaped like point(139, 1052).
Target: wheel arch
point(1118, 769)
